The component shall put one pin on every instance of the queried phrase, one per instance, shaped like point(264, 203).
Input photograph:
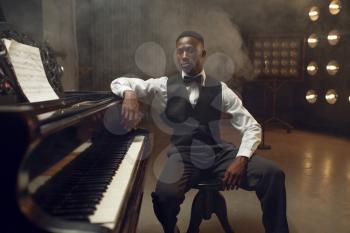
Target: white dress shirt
point(154, 91)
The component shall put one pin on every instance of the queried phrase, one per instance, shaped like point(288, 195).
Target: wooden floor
point(317, 168)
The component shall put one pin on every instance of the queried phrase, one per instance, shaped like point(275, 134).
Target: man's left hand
point(234, 173)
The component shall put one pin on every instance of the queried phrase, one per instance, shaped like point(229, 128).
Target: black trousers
point(184, 168)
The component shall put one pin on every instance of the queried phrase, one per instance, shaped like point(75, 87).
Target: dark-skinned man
point(191, 103)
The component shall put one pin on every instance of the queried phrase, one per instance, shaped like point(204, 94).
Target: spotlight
point(257, 62)
point(314, 13)
point(257, 44)
point(311, 96)
point(312, 68)
point(267, 44)
point(334, 7)
point(275, 62)
point(257, 54)
point(332, 67)
point(275, 53)
point(331, 96)
point(284, 53)
point(293, 62)
point(276, 44)
point(293, 71)
point(333, 37)
point(312, 40)
point(275, 71)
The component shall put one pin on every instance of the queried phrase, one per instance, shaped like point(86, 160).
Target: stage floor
point(317, 168)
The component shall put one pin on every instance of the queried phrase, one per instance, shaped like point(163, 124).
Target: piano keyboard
point(107, 210)
point(93, 186)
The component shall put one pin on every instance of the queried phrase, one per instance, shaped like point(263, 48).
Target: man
point(191, 103)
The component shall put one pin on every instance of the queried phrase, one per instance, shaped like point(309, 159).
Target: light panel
point(334, 7)
point(331, 96)
point(332, 67)
point(312, 40)
point(312, 68)
point(311, 96)
point(314, 13)
point(333, 37)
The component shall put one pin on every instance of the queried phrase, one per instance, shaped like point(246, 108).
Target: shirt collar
point(183, 74)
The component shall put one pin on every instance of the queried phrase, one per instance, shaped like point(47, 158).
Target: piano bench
point(207, 201)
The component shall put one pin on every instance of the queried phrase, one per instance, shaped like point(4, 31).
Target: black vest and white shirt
point(192, 111)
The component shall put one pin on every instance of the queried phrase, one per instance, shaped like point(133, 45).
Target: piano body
point(64, 168)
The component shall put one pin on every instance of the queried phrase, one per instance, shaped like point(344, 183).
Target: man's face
point(190, 55)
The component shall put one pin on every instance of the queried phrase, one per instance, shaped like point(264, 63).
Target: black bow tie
point(189, 79)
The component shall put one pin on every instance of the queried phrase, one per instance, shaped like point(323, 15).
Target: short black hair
point(191, 34)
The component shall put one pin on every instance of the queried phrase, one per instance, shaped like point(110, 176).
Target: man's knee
point(168, 192)
point(275, 173)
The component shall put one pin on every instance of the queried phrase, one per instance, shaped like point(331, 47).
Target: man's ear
point(204, 53)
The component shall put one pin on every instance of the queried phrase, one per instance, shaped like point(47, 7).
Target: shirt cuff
point(245, 152)
point(120, 90)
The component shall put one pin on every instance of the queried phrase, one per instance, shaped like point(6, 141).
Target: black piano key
point(79, 187)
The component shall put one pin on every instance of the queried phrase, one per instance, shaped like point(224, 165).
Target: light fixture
point(312, 68)
point(267, 44)
point(312, 40)
point(331, 96)
point(332, 67)
point(334, 7)
point(314, 13)
point(257, 62)
point(284, 53)
point(311, 96)
point(333, 37)
point(275, 53)
point(275, 62)
point(293, 71)
point(275, 71)
point(276, 44)
point(257, 44)
point(293, 62)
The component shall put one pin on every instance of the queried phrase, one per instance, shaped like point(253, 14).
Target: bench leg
point(196, 212)
point(221, 212)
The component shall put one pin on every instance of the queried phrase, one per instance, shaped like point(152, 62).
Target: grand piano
point(67, 165)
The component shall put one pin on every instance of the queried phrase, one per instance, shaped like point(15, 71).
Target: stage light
point(293, 45)
point(314, 13)
point(332, 67)
point(334, 7)
point(276, 44)
point(331, 96)
point(284, 62)
point(258, 44)
point(312, 40)
point(275, 71)
point(257, 62)
point(312, 68)
point(311, 96)
point(267, 44)
point(333, 37)
point(275, 53)
point(257, 54)
point(293, 71)
point(284, 53)
point(276, 62)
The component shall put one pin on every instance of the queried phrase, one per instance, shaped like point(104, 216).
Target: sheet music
point(29, 70)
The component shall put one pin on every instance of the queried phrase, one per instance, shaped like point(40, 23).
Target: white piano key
point(107, 211)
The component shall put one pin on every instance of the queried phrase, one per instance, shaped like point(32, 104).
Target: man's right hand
point(130, 110)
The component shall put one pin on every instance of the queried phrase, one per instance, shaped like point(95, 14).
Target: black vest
point(189, 123)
